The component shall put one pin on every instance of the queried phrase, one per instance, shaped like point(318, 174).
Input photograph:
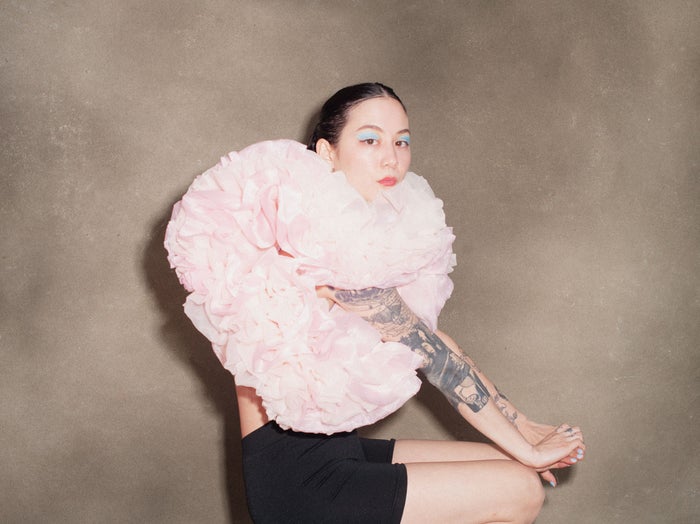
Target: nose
point(390, 158)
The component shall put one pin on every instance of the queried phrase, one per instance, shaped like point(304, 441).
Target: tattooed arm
point(504, 405)
point(531, 431)
point(447, 370)
point(453, 373)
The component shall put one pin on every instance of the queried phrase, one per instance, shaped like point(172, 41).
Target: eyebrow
point(377, 128)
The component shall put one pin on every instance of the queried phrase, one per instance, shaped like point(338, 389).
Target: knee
point(531, 493)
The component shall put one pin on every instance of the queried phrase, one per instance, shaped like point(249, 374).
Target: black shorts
point(306, 478)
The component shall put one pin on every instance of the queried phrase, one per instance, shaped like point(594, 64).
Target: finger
point(568, 427)
point(572, 459)
point(560, 465)
point(577, 454)
point(570, 430)
point(573, 434)
point(548, 476)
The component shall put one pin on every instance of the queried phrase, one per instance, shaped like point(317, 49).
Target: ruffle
point(253, 237)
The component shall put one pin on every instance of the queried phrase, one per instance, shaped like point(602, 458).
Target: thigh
point(408, 451)
point(472, 492)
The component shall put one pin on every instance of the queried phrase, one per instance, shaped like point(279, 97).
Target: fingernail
point(579, 450)
point(551, 482)
point(573, 461)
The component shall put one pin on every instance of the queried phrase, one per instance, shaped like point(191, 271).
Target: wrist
point(527, 456)
point(518, 447)
point(522, 418)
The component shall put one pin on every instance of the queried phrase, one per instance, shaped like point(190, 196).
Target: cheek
point(357, 170)
point(349, 159)
point(361, 179)
point(360, 164)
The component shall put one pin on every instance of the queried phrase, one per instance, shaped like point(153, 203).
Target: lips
point(388, 181)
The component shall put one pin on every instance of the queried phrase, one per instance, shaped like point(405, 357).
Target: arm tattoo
point(502, 404)
point(452, 373)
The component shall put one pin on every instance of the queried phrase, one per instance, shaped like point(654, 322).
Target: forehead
point(383, 112)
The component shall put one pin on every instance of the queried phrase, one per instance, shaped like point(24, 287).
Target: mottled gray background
point(562, 136)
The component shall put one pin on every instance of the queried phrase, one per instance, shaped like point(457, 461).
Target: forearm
point(531, 431)
point(468, 390)
point(507, 409)
point(445, 367)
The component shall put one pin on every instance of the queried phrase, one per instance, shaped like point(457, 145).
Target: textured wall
point(562, 137)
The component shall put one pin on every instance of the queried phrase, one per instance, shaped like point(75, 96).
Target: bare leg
point(466, 482)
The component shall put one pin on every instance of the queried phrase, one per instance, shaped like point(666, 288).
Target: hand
point(560, 448)
point(534, 433)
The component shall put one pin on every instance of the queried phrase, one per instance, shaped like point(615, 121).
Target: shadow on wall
point(194, 351)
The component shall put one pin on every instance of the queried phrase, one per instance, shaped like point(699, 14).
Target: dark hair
point(334, 113)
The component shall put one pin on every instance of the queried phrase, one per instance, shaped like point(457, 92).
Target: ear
point(325, 150)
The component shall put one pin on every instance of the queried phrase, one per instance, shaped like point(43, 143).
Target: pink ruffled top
point(316, 370)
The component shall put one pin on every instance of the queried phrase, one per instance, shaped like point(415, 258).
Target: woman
point(302, 467)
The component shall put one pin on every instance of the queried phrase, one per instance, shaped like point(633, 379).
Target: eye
point(403, 141)
point(370, 138)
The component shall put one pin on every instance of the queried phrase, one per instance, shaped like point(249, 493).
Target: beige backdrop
point(562, 136)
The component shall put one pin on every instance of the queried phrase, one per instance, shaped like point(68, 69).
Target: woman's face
point(374, 146)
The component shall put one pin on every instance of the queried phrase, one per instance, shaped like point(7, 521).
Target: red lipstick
point(388, 181)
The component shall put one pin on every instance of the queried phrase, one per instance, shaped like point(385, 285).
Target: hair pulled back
point(334, 113)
